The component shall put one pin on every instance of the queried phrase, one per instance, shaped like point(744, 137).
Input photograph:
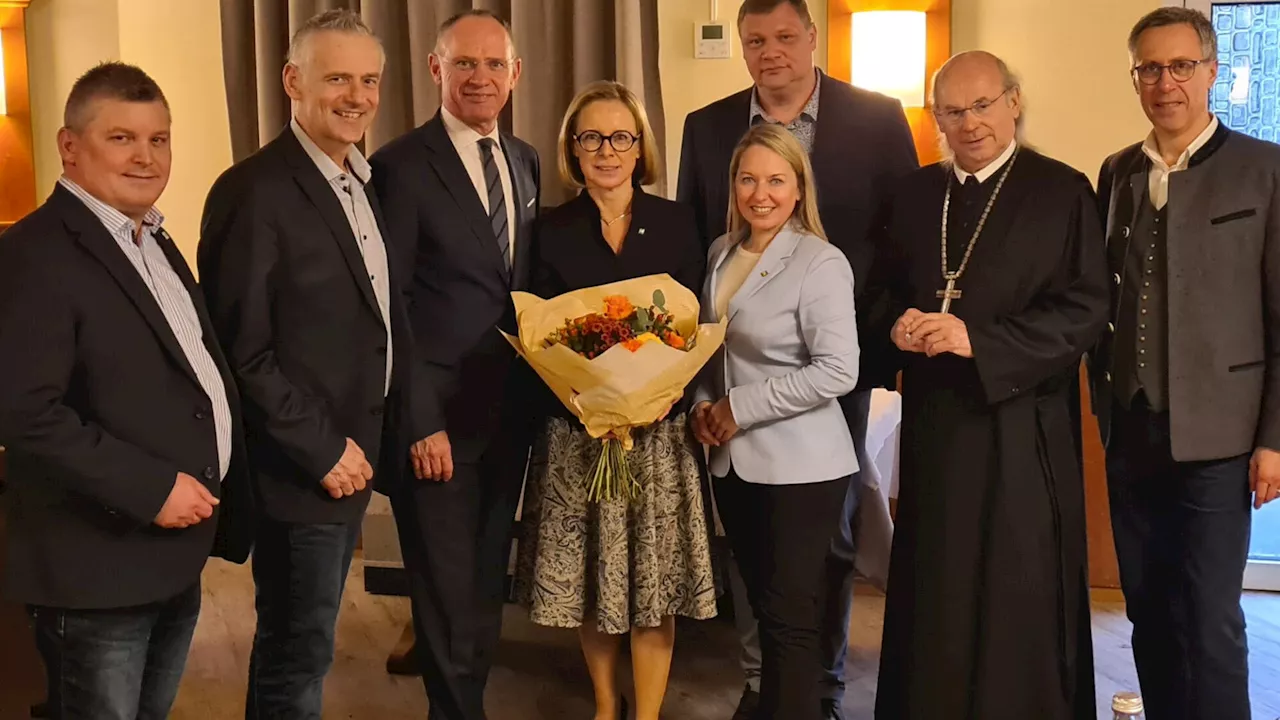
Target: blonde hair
point(649, 166)
point(778, 139)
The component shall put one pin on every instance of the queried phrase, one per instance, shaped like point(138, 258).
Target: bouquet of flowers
point(618, 356)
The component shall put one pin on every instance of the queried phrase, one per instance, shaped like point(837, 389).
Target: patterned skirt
point(630, 563)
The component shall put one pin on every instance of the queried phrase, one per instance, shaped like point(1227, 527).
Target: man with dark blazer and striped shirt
point(118, 413)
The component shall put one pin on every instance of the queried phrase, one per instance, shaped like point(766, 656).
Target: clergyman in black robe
point(987, 614)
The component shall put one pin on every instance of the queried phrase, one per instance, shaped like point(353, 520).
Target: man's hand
point(433, 458)
point(1264, 476)
point(720, 421)
point(939, 333)
point(189, 502)
point(698, 422)
point(350, 474)
point(905, 341)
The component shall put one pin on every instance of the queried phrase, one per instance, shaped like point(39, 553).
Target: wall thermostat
point(710, 40)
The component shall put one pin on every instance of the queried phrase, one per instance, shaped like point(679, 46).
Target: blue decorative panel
point(1245, 93)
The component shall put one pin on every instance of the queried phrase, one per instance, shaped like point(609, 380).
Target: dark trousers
point(455, 538)
point(299, 571)
point(1182, 538)
point(781, 536)
point(119, 664)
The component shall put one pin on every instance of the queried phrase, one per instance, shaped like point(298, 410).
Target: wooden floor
point(539, 673)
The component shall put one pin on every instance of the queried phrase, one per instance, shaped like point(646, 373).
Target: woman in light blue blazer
point(781, 452)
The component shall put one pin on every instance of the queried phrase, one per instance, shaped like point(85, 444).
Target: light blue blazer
point(790, 351)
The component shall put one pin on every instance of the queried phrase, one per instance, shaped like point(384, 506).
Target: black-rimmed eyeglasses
point(1180, 70)
point(593, 140)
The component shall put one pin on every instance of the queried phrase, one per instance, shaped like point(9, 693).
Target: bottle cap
point(1126, 702)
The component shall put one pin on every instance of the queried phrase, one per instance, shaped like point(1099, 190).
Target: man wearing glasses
point(996, 272)
point(1187, 378)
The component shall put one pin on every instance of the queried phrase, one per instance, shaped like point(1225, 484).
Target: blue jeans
point(837, 600)
point(118, 664)
point(300, 572)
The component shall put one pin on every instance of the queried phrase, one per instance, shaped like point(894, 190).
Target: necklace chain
point(610, 223)
point(948, 275)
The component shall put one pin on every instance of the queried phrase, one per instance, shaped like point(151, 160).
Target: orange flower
point(674, 340)
point(618, 307)
point(632, 344)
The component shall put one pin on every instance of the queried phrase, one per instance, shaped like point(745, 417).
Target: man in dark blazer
point(461, 197)
point(118, 413)
point(1187, 379)
point(860, 144)
point(294, 266)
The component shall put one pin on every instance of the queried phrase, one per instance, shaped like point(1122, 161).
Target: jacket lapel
point(827, 156)
point(524, 187)
point(94, 237)
point(320, 193)
point(771, 263)
point(446, 163)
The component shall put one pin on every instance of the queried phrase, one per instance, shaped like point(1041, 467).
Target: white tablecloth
point(880, 480)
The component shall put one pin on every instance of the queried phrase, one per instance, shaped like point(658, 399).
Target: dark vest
point(1142, 336)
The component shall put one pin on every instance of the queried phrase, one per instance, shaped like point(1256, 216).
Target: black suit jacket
point(460, 289)
point(99, 411)
point(288, 290)
point(863, 145)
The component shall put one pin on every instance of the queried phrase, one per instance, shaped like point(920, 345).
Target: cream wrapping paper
point(619, 389)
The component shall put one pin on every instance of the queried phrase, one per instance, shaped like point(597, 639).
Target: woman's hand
point(698, 422)
point(720, 422)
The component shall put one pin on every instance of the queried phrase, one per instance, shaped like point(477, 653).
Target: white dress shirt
point(467, 142)
point(1158, 178)
point(349, 187)
point(985, 173)
point(175, 303)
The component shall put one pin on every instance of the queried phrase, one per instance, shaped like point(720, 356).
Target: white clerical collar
point(462, 134)
point(1152, 148)
point(989, 170)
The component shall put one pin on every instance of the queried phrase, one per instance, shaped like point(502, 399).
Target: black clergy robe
point(987, 614)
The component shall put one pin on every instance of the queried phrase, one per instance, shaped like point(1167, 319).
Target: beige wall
point(689, 83)
point(1072, 59)
point(69, 36)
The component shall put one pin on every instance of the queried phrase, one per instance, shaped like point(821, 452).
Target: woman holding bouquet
point(620, 565)
point(781, 452)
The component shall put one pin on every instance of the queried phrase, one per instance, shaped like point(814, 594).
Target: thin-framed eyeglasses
point(1180, 70)
point(593, 140)
point(953, 117)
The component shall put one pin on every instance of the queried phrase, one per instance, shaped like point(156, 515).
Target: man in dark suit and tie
point(461, 198)
point(294, 266)
point(860, 144)
point(118, 412)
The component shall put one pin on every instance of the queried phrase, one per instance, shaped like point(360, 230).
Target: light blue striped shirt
point(175, 302)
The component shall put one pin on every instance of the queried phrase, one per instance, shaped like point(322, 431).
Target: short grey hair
point(448, 24)
point(343, 21)
point(1167, 16)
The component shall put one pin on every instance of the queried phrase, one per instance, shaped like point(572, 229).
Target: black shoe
point(831, 710)
point(747, 704)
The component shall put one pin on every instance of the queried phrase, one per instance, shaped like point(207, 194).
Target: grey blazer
point(1224, 293)
point(790, 352)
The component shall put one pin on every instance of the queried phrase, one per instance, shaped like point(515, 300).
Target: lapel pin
point(641, 231)
point(764, 273)
point(530, 203)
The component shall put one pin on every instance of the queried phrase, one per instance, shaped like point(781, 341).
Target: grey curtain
point(564, 44)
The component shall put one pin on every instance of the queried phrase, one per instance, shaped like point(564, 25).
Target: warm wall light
point(4, 103)
point(888, 54)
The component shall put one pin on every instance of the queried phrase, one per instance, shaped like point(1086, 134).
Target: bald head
point(978, 105)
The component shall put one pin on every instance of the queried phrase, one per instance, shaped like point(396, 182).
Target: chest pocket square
point(1237, 215)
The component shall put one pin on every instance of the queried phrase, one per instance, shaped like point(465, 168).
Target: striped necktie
point(497, 200)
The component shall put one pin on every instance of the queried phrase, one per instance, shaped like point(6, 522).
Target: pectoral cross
point(948, 294)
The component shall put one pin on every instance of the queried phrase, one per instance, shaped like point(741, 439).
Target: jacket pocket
point(1246, 366)
point(1237, 215)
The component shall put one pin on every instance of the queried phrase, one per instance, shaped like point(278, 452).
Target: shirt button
point(1142, 326)
point(1144, 311)
point(1142, 352)
point(199, 415)
point(1144, 297)
point(1146, 283)
point(1142, 338)
point(1125, 231)
point(1111, 327)
point(1107, 375)
point(1116, 278)
point(1142, 364)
